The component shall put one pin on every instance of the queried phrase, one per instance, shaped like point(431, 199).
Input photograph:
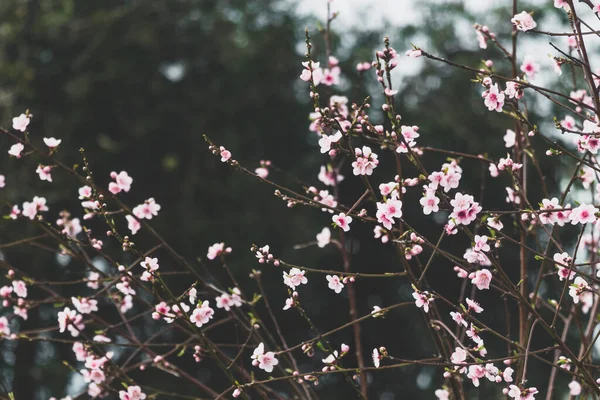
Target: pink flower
point(523, 21)
point(513, 90)
point(574, 388)
point(335, 283)
point(20, 289)
point(525, 394)
point(216, 250)
point(69, 320)
point(343, 221)
point(473, 306)
point(2, 181)
point(414, 53)
point(44, 171)
point(585, 213)
point(563, 272)
point(442, 394)
point(122, 182)
point(225, 154)
point(147, 210)
point(133, 224)
point(422, 300)
point(20, 123)
point(84, 305)
point(202, 314)
point(4, 327)
point(150, 264)
point(52, 142)
point(267, 361)
point(16, 149)
point(326, 141)
point(386, 212)
point(294, 278)
point(430, 202)
point(482, 279)
point(459, 356)
point(132, 393)
point(509, 138)
point(494, 98)
point(578, 289)
point(458, 318)
point(324, 238)
point(530, 67)
point(561, 4)
point(366, 161)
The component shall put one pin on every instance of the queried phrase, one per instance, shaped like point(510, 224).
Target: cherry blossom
point(16, 149)
point(264, 360)
point(343, 221)
point(458, 318)
point(574, 388)
point(366, 161)
point(216, 250)
point(530, 67)
point(147, 210)
point(509, 138)
point(44, 171)
point(122, 182)
point(525, 394)
point(513, 90)
point(2, 181)
point(52, 143)
point(202, 314)
point(578, 288)
point(335, 283)
point(564, 273)
point(226, 301)
point(494, 98)
point(133, 224)
point(422, 300)
point(386, 212)
point(20, 123)
point(459, 356)
point(376, 358)
point(523, 21)
point(482, 279)
point(294, 278)
point(69, 320)
point(585, 213)
point(324, 237)
point(442, 394)
point(85, 305)
point(430, 202)
point(132, 393)
point(225, 154)
point(20, 288)
point(4, 327)
point(473, 306)
point(414, 53)
point(326, 141)
point(329, 177)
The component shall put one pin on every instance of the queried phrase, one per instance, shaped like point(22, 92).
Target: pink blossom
point(326, 141)
point(366, 161)
point(20, 288)
point(16, 149)
point(494, 98)
point(335, 283)
point(414, 53)
point(473, 306)
point(530, 67)
point(509, 138)
point(386, 212)
point(561, 4)
point(85, 305)
point(4, 327)
point(578, 288)
point(430, 202)
point(458, 318)
point(225, 154)
point(215, 250)
point(422, 300)
point(376, 358)
point(525, 394)
point(459, 356)
point(574, 388)
point(20, 123)
point(563, 272)
point(329, 177)
point(44, 171)
point(52, 142)
point(122, 182)
point(150, 264)
point(585, 213)
point(289, 303)
point(93, 280)
point(132, 393)
point(343, 221)
point(364, 66)
point(442, 394)
point(202, 314)
point(513, 90)
point(133, 224)
point(2, 181)
point(69, 320)
point(476, 372)
point(146, 210)
point(294, 278)
point(523, 21)
point(324, 237)
point(482, 279)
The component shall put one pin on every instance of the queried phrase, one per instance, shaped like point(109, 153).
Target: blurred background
point(137, 83)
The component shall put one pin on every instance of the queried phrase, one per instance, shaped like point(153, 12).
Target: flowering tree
point(260, 362)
